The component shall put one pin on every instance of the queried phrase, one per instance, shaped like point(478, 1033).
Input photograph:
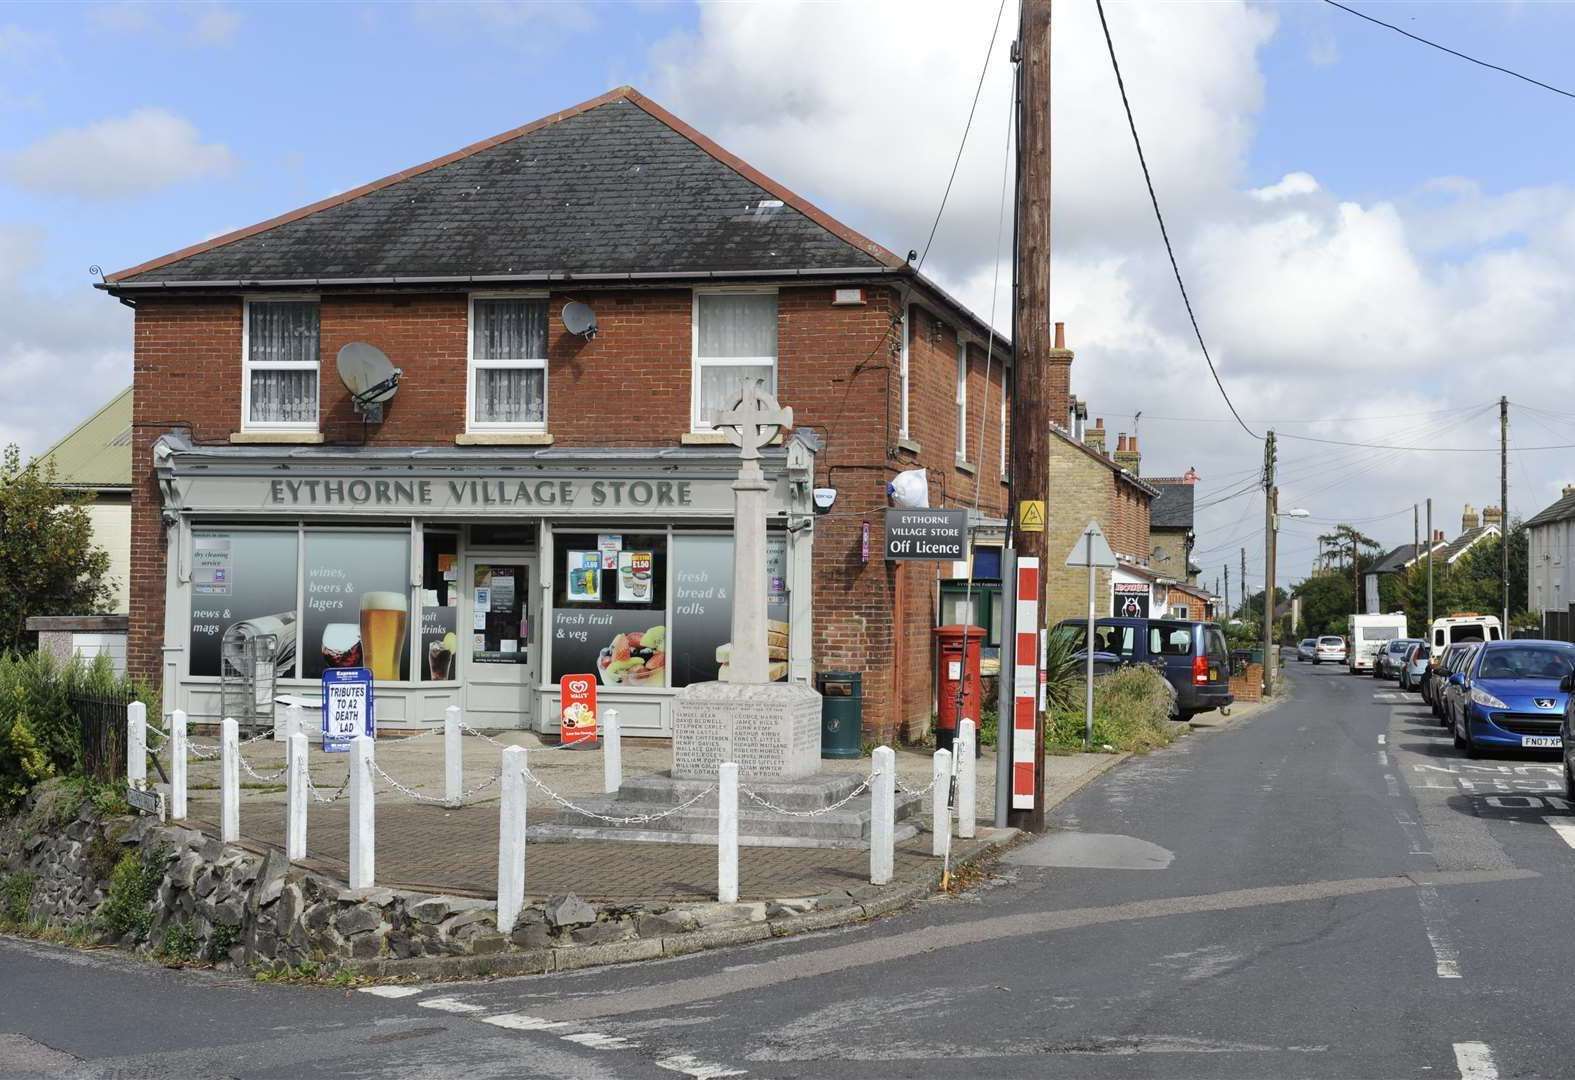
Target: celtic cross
point(753, 421)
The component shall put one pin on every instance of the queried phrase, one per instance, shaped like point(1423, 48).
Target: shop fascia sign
point(456, 494)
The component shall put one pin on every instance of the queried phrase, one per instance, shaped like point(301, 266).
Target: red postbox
point(957, 651)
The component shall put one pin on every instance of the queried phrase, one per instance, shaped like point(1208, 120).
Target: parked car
point(1465, 626)
point(1414, 666)
point(1193, 655)
point(1307, 650)
point(1330, 648)
point(1512, 695)
point(1438, 672)
point(1452, 690)
point(1386, 665)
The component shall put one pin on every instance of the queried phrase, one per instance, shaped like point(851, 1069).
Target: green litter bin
point(841, 713)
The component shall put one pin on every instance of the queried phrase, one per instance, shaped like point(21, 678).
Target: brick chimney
point(1569, 489)
point(1126, 454)
point(1468, 519)
point(1190, 476)
point(1492, 515)
point(1058, 378)
point(1094, 437)
point(1438, 536)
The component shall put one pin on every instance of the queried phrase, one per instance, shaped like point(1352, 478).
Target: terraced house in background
point(543, 495)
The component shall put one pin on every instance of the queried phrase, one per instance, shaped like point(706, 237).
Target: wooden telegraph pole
point(1031, 416)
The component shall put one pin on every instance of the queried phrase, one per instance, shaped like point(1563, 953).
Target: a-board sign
point(926, 535)
point(145, 801)
point(577, 709)
point(347, 707)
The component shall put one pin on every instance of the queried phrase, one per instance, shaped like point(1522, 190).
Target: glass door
point(501, 657)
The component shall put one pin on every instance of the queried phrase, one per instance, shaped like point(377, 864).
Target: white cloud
point(143, 151)
point(1401, 318)
point(201, 24)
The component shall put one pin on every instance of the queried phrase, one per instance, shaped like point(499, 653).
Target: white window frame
point(1004, 384)
point(902, 374)
point(247, 423)
point(961, 396)
point(697, 423)
point(472, 365)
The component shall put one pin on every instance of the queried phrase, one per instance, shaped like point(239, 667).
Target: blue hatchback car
point(1514, 696)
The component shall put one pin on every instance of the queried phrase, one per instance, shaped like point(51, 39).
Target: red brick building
point(535, 501)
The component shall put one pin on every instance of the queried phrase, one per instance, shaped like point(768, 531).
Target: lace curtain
point(511, 330)
point(734, 326)
point(282, 361)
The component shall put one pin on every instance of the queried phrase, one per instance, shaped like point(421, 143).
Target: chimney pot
point(1569, 489)
point(1191, 476)
point(1099, 422)
point(1060, 335)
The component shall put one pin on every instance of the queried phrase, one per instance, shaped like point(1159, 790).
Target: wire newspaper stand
point(247, 672)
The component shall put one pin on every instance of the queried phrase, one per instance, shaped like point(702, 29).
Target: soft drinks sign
point(577, 709)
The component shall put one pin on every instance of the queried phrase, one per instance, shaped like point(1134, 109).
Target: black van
point(1193, 655)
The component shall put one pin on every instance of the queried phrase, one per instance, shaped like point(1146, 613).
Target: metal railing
point(101, 722)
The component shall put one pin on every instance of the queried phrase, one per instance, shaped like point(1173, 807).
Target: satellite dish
point(578, 318)
point(369, 376)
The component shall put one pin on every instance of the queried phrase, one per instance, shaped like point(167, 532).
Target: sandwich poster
point(703, 610)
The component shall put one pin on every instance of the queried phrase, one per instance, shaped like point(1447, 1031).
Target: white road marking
point(1392, 784)
point(597, 1041)
point(1475, 1061)
point(450, 1005)
point(1439, 937)
point(1383, 758)
point(1382, 739)
point(393, 991)
point(690, 1065)
point(1564, 827)
point(521, 1022)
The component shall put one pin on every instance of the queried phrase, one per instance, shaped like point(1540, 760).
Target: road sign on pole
point(1092, 550)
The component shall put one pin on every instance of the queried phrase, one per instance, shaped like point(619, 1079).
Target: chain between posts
point(255, 775)
point(468, 730)
point(411, 793)
point(633, 819)
point(313, 790)
point(838, 805)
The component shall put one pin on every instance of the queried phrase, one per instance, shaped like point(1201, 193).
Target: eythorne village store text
point(475, 577)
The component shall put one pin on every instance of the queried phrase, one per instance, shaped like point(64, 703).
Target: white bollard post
point(453, 757)
point(940, 811)
point(136, 745)
point(296, 763)
point(967, 778)
point(612, 753)
point(294, 722)
point(727, 833)
point(362, 815)
point(883, 821)
point(229, 780)
point(511, 838)
point(178, 754)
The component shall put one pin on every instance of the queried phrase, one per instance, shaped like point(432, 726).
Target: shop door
point(501, 655)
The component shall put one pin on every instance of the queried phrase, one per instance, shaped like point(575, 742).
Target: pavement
point(1323, 887)
point(428, 847)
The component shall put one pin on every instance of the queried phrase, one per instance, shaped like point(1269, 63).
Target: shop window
point(438, 648)
point(735, 344)
point(243, 578)
point(501, 632)
point(702, 621)
point(281, 357)
point(508, 364)
point(609, 608)
point(356, 602)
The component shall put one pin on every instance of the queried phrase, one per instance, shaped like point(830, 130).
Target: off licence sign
point(577, 709)
point(347, 707)
point(926, 535)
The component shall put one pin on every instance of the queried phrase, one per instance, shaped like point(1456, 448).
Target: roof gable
point(97, 453)
point(615, 185)
point(1467, 540)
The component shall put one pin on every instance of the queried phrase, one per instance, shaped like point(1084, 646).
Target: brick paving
point(430, 847)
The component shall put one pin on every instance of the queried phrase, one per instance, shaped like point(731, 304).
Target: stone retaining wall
point(243, 909)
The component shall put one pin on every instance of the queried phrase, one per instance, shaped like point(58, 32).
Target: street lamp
point(1270, 661)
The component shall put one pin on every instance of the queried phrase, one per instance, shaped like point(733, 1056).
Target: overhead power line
point(1431, 449)
point(1160, 217)
point(1452, 52)
point(984, 70)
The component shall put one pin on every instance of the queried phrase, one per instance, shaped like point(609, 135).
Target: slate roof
point(1172, 507)
point(1465, 541)
point(613, 186)
point(1398, 559)
point(1562, 510)
point(97, 453)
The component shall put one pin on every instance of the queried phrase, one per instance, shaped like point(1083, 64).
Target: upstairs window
point(280, 347)
point(962, 401)
point(508, 364)
point(735, 343)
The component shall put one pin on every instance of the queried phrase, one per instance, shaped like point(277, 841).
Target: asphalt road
point(1325, 889)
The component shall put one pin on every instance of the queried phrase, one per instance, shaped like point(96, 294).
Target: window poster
point(357, 602)
point(609, 544)
point(439, 642)
point(244, 579)
point(500, 624)
point(634, 577)
point(583, 570)
point(703, 608)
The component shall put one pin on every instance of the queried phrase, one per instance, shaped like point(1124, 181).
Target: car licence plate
point(1550, 742)
point(1214, 674)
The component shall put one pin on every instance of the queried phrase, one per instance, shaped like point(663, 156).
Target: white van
point(1463, 626)
point(1369, 633)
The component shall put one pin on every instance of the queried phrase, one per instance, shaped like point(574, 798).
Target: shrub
point(23, 762)
point(132, 886)
point(1132, 707)
point(16, 893)
point(180, 944)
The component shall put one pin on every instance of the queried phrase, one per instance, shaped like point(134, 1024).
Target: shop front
point(473, 578)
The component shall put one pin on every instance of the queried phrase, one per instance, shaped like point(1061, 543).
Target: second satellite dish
point(369, 376)
point(578, 318)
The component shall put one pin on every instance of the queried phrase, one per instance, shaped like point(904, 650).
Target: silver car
point(1330, 648)
point(1414, 666)
point(1307, 650)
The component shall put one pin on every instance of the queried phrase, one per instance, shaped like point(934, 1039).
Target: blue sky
point(1427, 221)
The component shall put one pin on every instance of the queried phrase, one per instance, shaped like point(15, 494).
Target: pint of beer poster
point(384, 619)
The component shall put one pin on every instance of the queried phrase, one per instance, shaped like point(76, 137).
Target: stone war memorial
point(770, 730)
